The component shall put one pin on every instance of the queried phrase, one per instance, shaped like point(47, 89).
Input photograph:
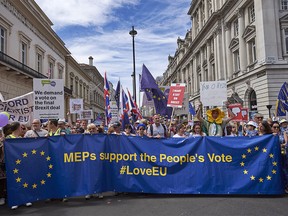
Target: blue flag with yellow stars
point(282, 101)
point(81, 164)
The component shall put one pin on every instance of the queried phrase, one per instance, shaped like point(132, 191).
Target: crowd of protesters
point(215, 124)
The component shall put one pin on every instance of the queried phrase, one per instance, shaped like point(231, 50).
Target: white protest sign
point(213, 93)
point(48, 98)
point(76, 105)
point(20, 108)
point(86, 114)
point(114, 111)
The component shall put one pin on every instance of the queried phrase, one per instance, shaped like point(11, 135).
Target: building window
point(253, 101)
point(39, 60)
point(23, 53)
point(252, 51)
point(50, 72)
point(286, 40)
point(71, 83)
point(2, 39)
point(236, 28)
point(236, 61)
point(284, 4)
point(80, 88)
point(251, 13)
point(60, 71)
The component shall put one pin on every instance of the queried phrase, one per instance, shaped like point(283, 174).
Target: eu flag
point(282, 101)
point(152, 91)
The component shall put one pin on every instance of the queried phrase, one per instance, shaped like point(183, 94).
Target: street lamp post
point(133, 32)
point(269, 108)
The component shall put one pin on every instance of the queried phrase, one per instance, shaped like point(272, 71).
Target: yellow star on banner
point(269, 178)
point(18, 161)
point(261, 180)
point(42, 153)
point(242, 164)
point(243, 156)
point(33, 151)
point(256, 148)
point(50, 166)
point(49, 175)
point(34, 186)
point(42, 182)
point(264, 150)
point(249, 150)
point(48, 158)
point(25, 154)
point(15, 171)
point(274, 171)
point(25, 185)
point(18, 179)
point(274, 163)
point(271, 155)
point(245, 172)
point(252, 178)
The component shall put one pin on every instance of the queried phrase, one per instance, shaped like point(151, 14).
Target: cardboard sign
point(48, 98)
point(241, 114)
point(213, 93)
point(76, 105)
point(176, 95)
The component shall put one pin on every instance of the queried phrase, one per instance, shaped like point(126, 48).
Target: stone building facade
point(244, 42)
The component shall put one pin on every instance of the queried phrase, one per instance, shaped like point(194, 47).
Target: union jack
point(108, 114)
point(134, 108)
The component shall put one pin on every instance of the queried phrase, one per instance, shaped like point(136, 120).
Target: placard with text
point(48, 98)
point(176, 95)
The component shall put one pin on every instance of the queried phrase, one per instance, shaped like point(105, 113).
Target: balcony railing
point(22, 67)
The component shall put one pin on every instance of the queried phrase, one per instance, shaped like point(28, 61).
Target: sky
point(101, 29)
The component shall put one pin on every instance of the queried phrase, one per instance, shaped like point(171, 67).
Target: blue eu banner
point(75, 165)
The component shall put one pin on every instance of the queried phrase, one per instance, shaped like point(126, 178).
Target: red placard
point(176, 95)
point(241, 114)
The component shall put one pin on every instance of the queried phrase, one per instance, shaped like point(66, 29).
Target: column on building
point(242, 43)
point(223, 56)
point(206, 10)
point(208, 43)
point(228, 54)
point(195, 74)
point(201, 63)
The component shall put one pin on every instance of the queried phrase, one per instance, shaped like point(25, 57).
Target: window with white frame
point(39, 62)
point(2, 39)
point(50, 72)
point(60, 71)
point(251, 10)
point(252, 51)
point(23, 53)
point(284, 4)
point(286, 40)
point(236, 60)
point(71, 83)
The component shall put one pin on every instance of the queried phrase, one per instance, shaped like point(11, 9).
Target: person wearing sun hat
point(215, 123)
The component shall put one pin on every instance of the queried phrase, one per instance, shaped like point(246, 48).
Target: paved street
point(150, 205)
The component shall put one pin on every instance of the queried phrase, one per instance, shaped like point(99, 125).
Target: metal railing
point(20, 66)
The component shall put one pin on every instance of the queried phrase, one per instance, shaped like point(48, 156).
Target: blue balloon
point(3, 119)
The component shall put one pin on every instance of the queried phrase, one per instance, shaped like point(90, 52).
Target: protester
point(83, 125)
point(16, 131)
point(232, 129)
point(141, 130)
point(180, 131)
point(127, 131)
point(117, 128)
point(215, 123)
point(53, 129)
point(251, 129)
point(197, 131)
point(157, 129)
point(258, 118)
point(2, 170)
point(92, 129)
point(36, 130)
point(264, 128)
point(62, 126)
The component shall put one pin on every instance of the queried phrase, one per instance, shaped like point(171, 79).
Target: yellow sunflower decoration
point(220, 117)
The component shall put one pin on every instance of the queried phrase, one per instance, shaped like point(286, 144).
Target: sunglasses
point(276, 127)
